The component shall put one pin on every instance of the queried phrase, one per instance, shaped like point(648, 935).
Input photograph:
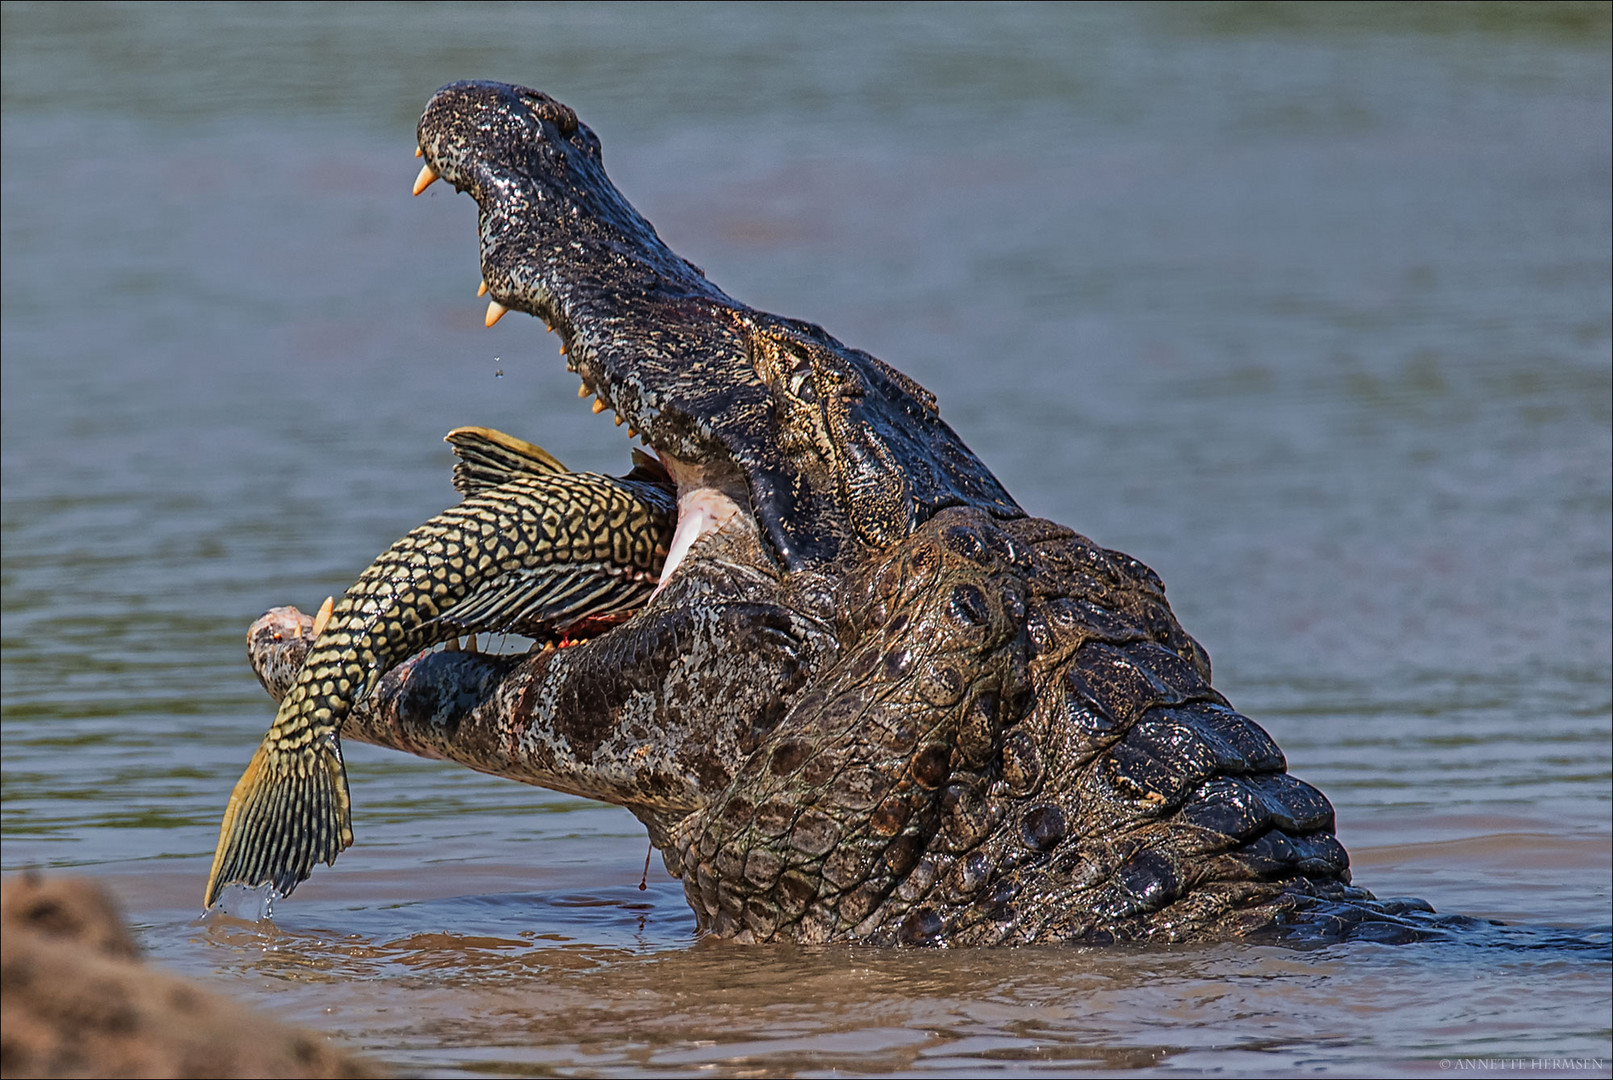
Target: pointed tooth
point(599, 406)
point(563, 349)
point(632, 432)
point(495, 312)
point(481, 290)
point(700, 512)
point(419, 152)
point(470, 642)
point(451, 645)
point(618, 419)
point(583, 391)
point(324, 616)
point(427, 177)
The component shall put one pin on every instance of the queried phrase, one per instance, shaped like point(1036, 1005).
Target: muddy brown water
point(1309, 310)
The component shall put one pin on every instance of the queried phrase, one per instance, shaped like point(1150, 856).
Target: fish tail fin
point(289, 810)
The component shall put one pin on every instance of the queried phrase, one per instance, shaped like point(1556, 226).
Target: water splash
point(248, 904)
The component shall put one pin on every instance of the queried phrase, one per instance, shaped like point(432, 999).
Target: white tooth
point(427, 177)
point(700, 511)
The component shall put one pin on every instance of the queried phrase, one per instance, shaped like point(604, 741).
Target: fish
point(532, 549)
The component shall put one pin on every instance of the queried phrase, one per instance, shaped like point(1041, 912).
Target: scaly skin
point(876, 702)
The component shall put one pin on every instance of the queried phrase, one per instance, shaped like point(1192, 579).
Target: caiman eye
point(801, 386)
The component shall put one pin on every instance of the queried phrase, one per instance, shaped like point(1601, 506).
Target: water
point(1307, 309)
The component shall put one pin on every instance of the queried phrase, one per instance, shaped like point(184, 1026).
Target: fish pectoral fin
point(541, 599)
point(488, 458)
point(289, 810)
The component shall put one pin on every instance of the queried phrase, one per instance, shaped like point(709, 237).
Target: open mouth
point(713, 492)
point(710, 496)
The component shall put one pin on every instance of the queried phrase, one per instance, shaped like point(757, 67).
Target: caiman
point(871, 698)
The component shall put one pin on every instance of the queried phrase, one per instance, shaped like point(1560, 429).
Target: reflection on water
point(1307, 307)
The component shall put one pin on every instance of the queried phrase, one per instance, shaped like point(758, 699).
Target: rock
point(76, 1000)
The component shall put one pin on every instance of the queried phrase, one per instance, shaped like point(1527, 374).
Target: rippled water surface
point(1309, 310)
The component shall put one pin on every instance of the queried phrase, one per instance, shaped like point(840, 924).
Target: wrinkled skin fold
point(877, 701)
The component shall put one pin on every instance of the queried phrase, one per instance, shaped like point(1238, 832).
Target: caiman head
point(825, 448)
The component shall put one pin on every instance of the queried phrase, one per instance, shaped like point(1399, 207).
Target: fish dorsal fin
point(488, 458)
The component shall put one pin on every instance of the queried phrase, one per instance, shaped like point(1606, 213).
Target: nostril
point(547, 109)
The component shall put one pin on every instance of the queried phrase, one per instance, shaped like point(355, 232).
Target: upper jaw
point(639, 324)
